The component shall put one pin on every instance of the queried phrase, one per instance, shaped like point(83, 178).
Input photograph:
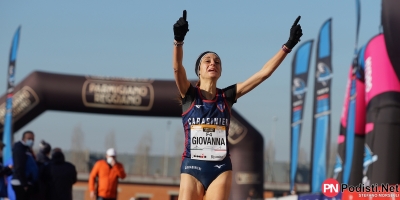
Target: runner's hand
point(181, 27)
point(295, 34)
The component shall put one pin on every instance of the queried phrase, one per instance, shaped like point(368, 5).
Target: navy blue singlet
point(205, 112)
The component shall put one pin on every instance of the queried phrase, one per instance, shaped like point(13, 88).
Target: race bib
point(208, 142)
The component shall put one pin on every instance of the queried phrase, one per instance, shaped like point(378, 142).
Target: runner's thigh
point(190, 188)
point(220, 188)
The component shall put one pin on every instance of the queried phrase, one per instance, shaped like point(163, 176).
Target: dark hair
point(197, 66)
point(57, 149)
point(57, 156)
point(27, 132)
point(45, 147)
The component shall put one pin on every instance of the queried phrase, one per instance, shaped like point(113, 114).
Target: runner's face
point(210, 66)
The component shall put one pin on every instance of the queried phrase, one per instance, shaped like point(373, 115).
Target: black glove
point(181, 27)
point(295, 34)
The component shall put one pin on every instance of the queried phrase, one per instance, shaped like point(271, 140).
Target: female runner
point(206, 170)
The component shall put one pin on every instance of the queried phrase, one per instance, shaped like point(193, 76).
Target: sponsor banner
point(8, 109)
point(382, 95)
point(300, 70)
point(322, 108)
point(118, 95)
point(23, 101)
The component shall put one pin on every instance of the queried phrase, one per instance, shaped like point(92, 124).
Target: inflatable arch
point(41, 91)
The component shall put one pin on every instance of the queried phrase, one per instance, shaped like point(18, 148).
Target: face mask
point(109, 160)
point(29, 143)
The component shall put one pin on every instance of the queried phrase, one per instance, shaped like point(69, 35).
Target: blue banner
point(299, 79)
point(322, 108)
point(350, 134)
point(8, 133)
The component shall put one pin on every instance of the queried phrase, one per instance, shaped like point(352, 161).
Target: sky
point(133, 39)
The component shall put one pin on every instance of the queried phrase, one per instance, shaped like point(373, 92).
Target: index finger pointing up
point(184, 15)
point(296, 21)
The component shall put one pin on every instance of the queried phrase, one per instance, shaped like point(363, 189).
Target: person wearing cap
point(205, 173)
point(108, 171)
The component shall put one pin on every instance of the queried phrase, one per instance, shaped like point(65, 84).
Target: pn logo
point(330, 187)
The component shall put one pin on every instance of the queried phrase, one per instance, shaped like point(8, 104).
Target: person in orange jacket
point(108, 172)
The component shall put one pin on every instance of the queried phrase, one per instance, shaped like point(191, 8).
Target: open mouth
point(211, 70)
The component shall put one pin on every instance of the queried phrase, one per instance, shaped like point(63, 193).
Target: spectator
point(4, 172)
point(108, 172)
point(60, 177)
point(44, 152)
point(43, 159)
point(57, 149)
point(25, 173)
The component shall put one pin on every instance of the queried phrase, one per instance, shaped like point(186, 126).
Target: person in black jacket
point(43, 159)
point(44, 152)
point(61, 176)
point(25, 171)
